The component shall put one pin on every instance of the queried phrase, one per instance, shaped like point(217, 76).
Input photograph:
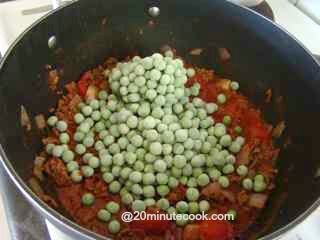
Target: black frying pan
point(263, 57)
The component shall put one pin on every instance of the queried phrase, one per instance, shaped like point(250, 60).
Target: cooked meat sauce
point(257, 154)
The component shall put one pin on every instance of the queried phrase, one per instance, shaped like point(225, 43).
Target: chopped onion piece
point(24, 119)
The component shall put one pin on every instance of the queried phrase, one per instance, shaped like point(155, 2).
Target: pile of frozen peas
point(153, 134)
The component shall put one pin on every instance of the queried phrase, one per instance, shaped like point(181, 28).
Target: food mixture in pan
point(157, 135)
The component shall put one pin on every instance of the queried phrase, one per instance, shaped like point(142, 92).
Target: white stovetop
point(13, 22)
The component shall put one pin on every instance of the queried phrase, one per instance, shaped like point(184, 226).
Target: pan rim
point(54, 216)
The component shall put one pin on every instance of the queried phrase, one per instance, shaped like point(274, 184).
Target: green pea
point(259, 178)
point(240, 140)
point(140, 153)
point(149, 202)
point(234, 85)
point(198, 161)
point(62, 126)
point(67, 156)
point(192, 182)
point(227, 120)
point(179, 161)
point(202, 114)
point(94, 104)
point(238, 129)
point(147, 63)
point(211, 108)
point(163, 190)
point(230, 159)
point(163, 204)
point(104, 215)
point(132, 122)
point(242, 170)
point(151, 135)
point(100, 126)
point(148, 178)
point(130, 157)
point(72, 166)
point(135, 177)
point(88, 199)
point(183, 180)
point(206, 147)
point(127, 199)
point(116, 171)
point(221, 98)
point(114, 226)
point(49, 148)
point(114, 187)
point(148, 191)
point(102, 104)
point(114, 148)
point(247, 184)
point(155, 148)
point(86, 110)
point(88, 141)
point(181, 135)
point(160, 166)
point(259, 186)
point(173, 182)
point(187, 170)
point(192, 194)
point(162, 178)
point(196, 172)
point(125, 172)
point(87, 171)
point(138, 205)
point(80, 149)
point(178, 148)
point(235, 147)
point(52, 121)
point(105, 114)
point(86, 157)
point(182, 221)
point(106, 159)
point(214, 174)
point(78, 136)
point(99, 145)
point(108, 178)
point(104, 169)
point(113, 207)
point(76, 176)
point(227, 169)
point(219, 130)
point(81, 105)
point(171, 210)
point(108, 140)
point(195, 89)
point(193, 207)
point(94, 162)
point(136, 189)
point(102, 95)
point(96, 115)
point(224, 181)
point(118, 159)
point(112, 105)
point(182, 207)
point(136, 140)
point(191, 72)
point(204, 206)
point(203, 180)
